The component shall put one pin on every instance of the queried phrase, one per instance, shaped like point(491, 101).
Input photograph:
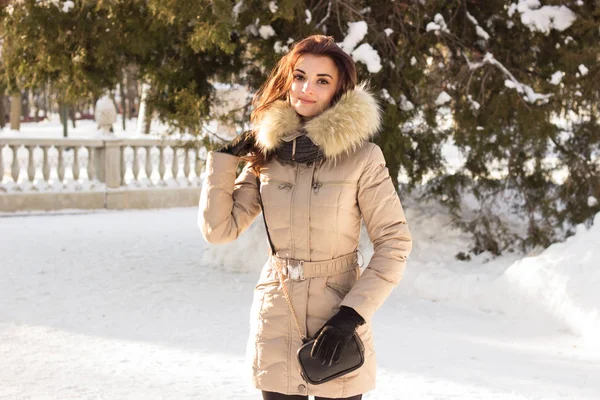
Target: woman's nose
point(307, 88)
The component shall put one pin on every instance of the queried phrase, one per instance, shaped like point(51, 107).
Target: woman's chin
point(306, 112)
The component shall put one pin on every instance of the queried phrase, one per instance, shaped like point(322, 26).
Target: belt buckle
point(295, 269)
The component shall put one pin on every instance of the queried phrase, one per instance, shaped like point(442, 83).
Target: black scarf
point(306, 150)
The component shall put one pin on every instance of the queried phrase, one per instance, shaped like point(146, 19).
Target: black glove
point(332, 338)
point(240, 146)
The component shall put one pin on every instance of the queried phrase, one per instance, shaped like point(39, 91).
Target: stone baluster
point(175, 164)
point(123, 164)
point(30, 164)
point(76, 169)
point(15, 169)
point(45, 164)
point(149, 163)
point(60, 169)
point(161, 165)
point(186, 165)
point(91, 164)
point(135, 168)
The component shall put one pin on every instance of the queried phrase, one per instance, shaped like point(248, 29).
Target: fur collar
point(342, 128)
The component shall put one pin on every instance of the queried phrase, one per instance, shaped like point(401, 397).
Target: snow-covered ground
point(135, 305)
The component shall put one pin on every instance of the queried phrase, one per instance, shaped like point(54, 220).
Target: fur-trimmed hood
point(342, 128)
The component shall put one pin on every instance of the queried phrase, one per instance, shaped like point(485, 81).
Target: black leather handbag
point(312, 370)
point(316, 373)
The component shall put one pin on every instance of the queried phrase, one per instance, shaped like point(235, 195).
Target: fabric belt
point(299, 270)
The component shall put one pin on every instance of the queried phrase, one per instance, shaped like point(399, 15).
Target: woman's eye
point(323, 81)
point(298, 77)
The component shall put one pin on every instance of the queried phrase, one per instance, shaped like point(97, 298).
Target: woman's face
point(314, 84)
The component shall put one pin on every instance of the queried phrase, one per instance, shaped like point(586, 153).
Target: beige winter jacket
point(314, 213)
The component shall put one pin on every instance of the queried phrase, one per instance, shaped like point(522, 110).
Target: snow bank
point(560, 286)
point(564, 280)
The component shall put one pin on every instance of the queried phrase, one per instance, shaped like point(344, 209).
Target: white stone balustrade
point(46, 174)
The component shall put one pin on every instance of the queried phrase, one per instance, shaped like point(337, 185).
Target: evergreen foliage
point(519, 102)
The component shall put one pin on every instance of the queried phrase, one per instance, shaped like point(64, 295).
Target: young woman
point(319, 176)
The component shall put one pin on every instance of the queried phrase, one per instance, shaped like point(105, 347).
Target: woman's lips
point(305, 101)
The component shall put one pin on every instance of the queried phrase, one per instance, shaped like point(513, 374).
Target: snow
point(368, 56)
point(527, 91)
point(308, 16)
point(237, 8)
point(266, 31)
point(135, 305)
point(543, 19)
point(479, 30)
point(356, 33)
point(442, 98)
point(413, 60)
point(592, 201)
point(67, 6)
point(386, 96)
point(405, 104)
point(438, 24)
point(582, 69)
point(388, 31)
point(557, 77)
point(474, 104)
point(273, 7)
point(280, 48)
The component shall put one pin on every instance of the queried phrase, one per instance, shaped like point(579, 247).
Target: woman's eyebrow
point(299, 70)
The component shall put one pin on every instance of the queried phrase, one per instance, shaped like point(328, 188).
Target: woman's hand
point(332, 338)
point(240, 146)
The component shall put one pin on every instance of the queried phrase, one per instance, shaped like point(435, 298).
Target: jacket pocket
point(339, 290)
point(266, 284)
point(280, 184)
point(318, 185)
point(341, 284)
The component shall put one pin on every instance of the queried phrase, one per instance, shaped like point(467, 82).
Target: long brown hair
point(280, 80)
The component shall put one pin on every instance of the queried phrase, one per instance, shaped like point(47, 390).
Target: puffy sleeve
point(386, 224)
point(227, 205)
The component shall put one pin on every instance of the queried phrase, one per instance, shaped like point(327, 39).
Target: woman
point(318, 177)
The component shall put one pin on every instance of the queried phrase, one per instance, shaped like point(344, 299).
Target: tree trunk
point(63, 118)
point(72, 114)
point(148, 119)
point(132, 91)
point(123, 101)
point(2, 113)
point(144, 114)
point(15, 111)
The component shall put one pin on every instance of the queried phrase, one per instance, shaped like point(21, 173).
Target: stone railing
point(50, 174)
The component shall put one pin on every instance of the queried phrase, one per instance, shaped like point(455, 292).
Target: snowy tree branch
point(326, 17)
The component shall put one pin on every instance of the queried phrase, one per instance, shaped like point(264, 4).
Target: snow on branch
point(326, 17)
point(480, 31)
point(438, 24)
point(529, 95)
point(543, 19)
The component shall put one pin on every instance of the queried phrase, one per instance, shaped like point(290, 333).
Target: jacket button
point(309, 164)
point(301, 388)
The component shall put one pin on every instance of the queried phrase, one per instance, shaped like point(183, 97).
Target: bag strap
point(279, 267)
point(262, 208)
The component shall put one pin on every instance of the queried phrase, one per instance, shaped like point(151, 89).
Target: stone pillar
point(108, 163)
point(113, 163)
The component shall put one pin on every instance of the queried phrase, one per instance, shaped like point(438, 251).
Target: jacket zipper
point(292, 213)
point(314, 168)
